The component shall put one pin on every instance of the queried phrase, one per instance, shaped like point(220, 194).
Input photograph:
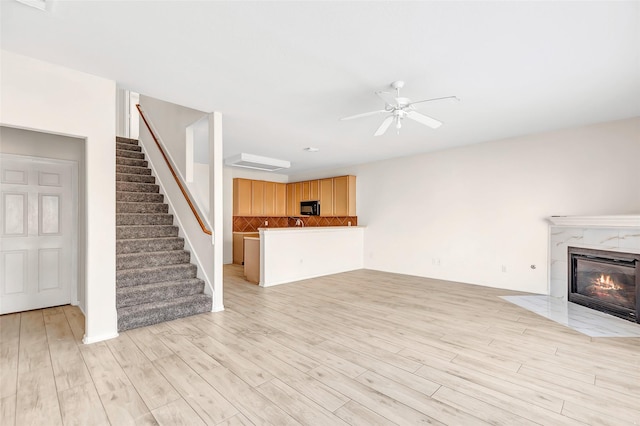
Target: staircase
point(155, 280)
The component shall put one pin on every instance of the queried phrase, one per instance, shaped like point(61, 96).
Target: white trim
point(613, 221)
point(99, 338)
point(216, 208)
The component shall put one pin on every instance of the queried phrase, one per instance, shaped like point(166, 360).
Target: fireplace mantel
point(613, 221)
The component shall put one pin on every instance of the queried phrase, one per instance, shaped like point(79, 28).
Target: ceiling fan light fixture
point(257, 162)
point(398, 108)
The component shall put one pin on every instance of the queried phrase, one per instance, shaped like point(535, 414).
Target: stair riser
point(130, 277)
point(125, 153)
point(137, 295)
point(123, 177)
point(155, 316)
point(143, 219)
point(133, 170)
point(124, 207)
point(131, 162)
point(151, 231)
point(128, 147)
point(139, 197)
point(136, 187)
point(150, 245)
point(149, 260)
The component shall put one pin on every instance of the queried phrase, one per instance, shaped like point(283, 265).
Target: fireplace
point(605, 280)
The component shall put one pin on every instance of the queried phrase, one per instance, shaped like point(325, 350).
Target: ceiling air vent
point(257, 162)
point(38, 4)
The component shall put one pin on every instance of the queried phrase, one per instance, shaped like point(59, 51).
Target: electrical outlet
point(504, 268)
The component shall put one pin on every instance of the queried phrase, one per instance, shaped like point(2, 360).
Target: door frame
point(73, 295)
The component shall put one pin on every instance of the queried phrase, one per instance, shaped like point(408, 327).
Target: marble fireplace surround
point(614, 233)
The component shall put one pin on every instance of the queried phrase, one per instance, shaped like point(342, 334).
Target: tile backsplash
point(252, 223)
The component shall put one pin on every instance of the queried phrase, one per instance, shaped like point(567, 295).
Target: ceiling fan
point(398, 108)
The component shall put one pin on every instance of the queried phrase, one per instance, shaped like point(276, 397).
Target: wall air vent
point(257, 162)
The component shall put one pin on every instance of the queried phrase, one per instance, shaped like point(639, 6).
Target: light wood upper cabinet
point(314, 190)
point(297, 197)
point(280, 199)
point(269, 199)
point(291, 208)
point(337, 197)
point(257, 198)
point(241, 197)
point(326, 197)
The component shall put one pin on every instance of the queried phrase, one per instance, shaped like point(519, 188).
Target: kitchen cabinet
point(326, 197)
point(344, 196)
point(257, 197)
point(238, 245)
point(275, 199)
point(294, 196)
point(241, 197)
point(337, 197)
point(305, 191)
point(291, 208)
point(252, 259)
point(314, 190)
point(281, 199)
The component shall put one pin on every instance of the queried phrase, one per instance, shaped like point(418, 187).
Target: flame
point(606, 283)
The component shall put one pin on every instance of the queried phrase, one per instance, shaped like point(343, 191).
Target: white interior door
point(38, 253)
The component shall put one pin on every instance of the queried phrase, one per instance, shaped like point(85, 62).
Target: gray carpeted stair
point(155, 280)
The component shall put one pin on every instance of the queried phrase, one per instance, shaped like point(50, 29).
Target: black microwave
point(310, 208)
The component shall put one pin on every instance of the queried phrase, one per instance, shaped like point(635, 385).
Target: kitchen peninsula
point(293, 254)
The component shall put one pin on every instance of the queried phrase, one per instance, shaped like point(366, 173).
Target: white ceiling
point(283, 73)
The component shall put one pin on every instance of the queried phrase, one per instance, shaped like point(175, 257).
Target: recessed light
point(311, 149)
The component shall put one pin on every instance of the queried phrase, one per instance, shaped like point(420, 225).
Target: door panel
point(38, 233)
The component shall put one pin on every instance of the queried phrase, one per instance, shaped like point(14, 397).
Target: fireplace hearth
point(605, 280)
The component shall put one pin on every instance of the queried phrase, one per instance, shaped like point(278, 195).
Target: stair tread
point(142, 287)
point(167, 303)
point(128, 146)
point(123, 139)
point(166, 290)
point(156, 268)
point(151, 253)
point(141, 226)
point(155, 312)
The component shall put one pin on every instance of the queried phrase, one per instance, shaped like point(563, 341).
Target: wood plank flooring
point(359, 348)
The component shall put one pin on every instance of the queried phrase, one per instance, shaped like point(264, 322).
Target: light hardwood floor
point(359, 348)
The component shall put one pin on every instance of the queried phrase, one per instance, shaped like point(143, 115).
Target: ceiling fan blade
point(388, 98)
point(384, 126)
point(423, 119)
point(453, 98)
point(366, 114)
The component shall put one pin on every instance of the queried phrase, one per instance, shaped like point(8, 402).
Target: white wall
point(171, 121)
point(229, 174)
point(37, 144)
point(462, 214)
point(41, 96)
point(294, 254)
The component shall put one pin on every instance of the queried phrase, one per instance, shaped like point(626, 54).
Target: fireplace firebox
point(605, 280)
